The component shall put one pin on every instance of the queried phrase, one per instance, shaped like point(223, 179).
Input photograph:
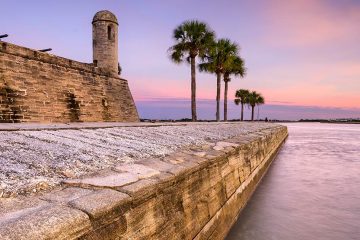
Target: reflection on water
point(312, 189)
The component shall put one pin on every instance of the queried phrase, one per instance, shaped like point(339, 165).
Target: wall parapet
point(194, 193)
point(40, 87)
point(32, 54)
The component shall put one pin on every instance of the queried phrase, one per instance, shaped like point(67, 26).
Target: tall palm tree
point(253, 100)
point(241, 97)
point(235, 66)
point(192, 39)
point(219, 55)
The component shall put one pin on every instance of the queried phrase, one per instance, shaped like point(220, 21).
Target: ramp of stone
point(171, 181)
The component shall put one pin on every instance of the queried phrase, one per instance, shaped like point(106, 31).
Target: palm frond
point(242, 95)
point(192, 38)
point(234, 66)
point(255, 99)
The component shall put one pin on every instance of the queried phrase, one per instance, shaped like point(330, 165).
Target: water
point(312, 189)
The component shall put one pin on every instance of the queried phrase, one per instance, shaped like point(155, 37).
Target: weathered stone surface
point(187, 198)
point(36, 156)
point(109, 179)
point(101, 202)
point(66, 195)
point(162, 166)
point(40, 87)
point(142, 189)
point(137, 169)
point(13, 208)
point(47, 222)
point(223, 145)
point(105, 41)
point(106, 209)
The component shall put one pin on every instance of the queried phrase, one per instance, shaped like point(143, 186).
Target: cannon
point(45, 50)
point(3, 36)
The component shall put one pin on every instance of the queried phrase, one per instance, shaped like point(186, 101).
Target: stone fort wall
point(194, 193)
point(40, 87)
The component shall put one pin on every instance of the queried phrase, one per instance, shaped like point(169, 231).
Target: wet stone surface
point(33, 160)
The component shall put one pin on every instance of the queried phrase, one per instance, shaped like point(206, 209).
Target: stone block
point(104, 179)
point(141, 190)
point(47, 222)
point(140, 170)
point(100, 202)
point(162, 166)
point(66, 195)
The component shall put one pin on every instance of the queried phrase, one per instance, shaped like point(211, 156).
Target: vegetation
point(254, 99)
point(235, 66)
point(241, 97)
point(219, 56)
point(192, 39)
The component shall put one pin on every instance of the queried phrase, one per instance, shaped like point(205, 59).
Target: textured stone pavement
point(36, 157)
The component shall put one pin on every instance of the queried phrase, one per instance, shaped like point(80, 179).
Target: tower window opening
point(109, 32)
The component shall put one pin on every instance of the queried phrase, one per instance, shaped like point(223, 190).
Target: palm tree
point(241, 97)
point(192, 39)
point(253, 100)
point(235, 66)
point(218, 56)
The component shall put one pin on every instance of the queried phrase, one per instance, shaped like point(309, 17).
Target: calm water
point(312, 189)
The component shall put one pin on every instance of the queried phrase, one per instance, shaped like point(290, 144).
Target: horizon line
point(271, 103)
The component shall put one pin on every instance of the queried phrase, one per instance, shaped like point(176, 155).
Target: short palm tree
point(235, 66)
point(241, 97)
point(254, 99)
point(192, 39)
point(218, 56)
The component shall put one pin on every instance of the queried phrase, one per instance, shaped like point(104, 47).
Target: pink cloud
point(309, 23)
point(144, 88)
point(310, 55)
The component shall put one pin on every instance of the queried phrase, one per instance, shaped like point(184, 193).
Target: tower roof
point(105, 15)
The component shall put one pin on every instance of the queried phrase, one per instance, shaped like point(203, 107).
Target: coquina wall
point(192, 194)
point(40, 87)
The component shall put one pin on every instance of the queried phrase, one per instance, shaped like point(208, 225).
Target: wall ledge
point(192, 193)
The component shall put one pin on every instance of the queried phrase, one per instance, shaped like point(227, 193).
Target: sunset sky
point(302, 55)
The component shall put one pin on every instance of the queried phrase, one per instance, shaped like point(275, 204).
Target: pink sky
point(298, 52)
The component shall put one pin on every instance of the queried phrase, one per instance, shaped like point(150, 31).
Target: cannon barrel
point(4, 36)
point(45, 50)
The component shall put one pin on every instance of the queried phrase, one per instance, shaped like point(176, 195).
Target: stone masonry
point(195, 192)
point(40, 87)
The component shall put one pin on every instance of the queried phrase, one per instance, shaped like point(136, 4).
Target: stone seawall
point(194, 193)
point(41, 87)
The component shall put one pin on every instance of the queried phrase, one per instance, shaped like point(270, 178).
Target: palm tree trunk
point(218, 91)
point(242, 112)
point(193, 90)
point(225, 100)
point(252, 113)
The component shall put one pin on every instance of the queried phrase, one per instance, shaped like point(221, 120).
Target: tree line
point(250, 98)
point(194, 39)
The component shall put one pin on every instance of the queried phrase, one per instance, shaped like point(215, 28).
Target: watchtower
point(105, 42)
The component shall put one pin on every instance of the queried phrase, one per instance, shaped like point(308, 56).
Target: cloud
point(305, 23)
point(298, 52)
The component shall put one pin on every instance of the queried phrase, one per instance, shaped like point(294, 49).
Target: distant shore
point(342, 121)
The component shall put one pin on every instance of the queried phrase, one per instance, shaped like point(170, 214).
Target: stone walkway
point(36, 157)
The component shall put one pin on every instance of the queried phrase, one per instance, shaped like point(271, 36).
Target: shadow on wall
point(106, 113)
point(74, 107)
point(11, 112)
